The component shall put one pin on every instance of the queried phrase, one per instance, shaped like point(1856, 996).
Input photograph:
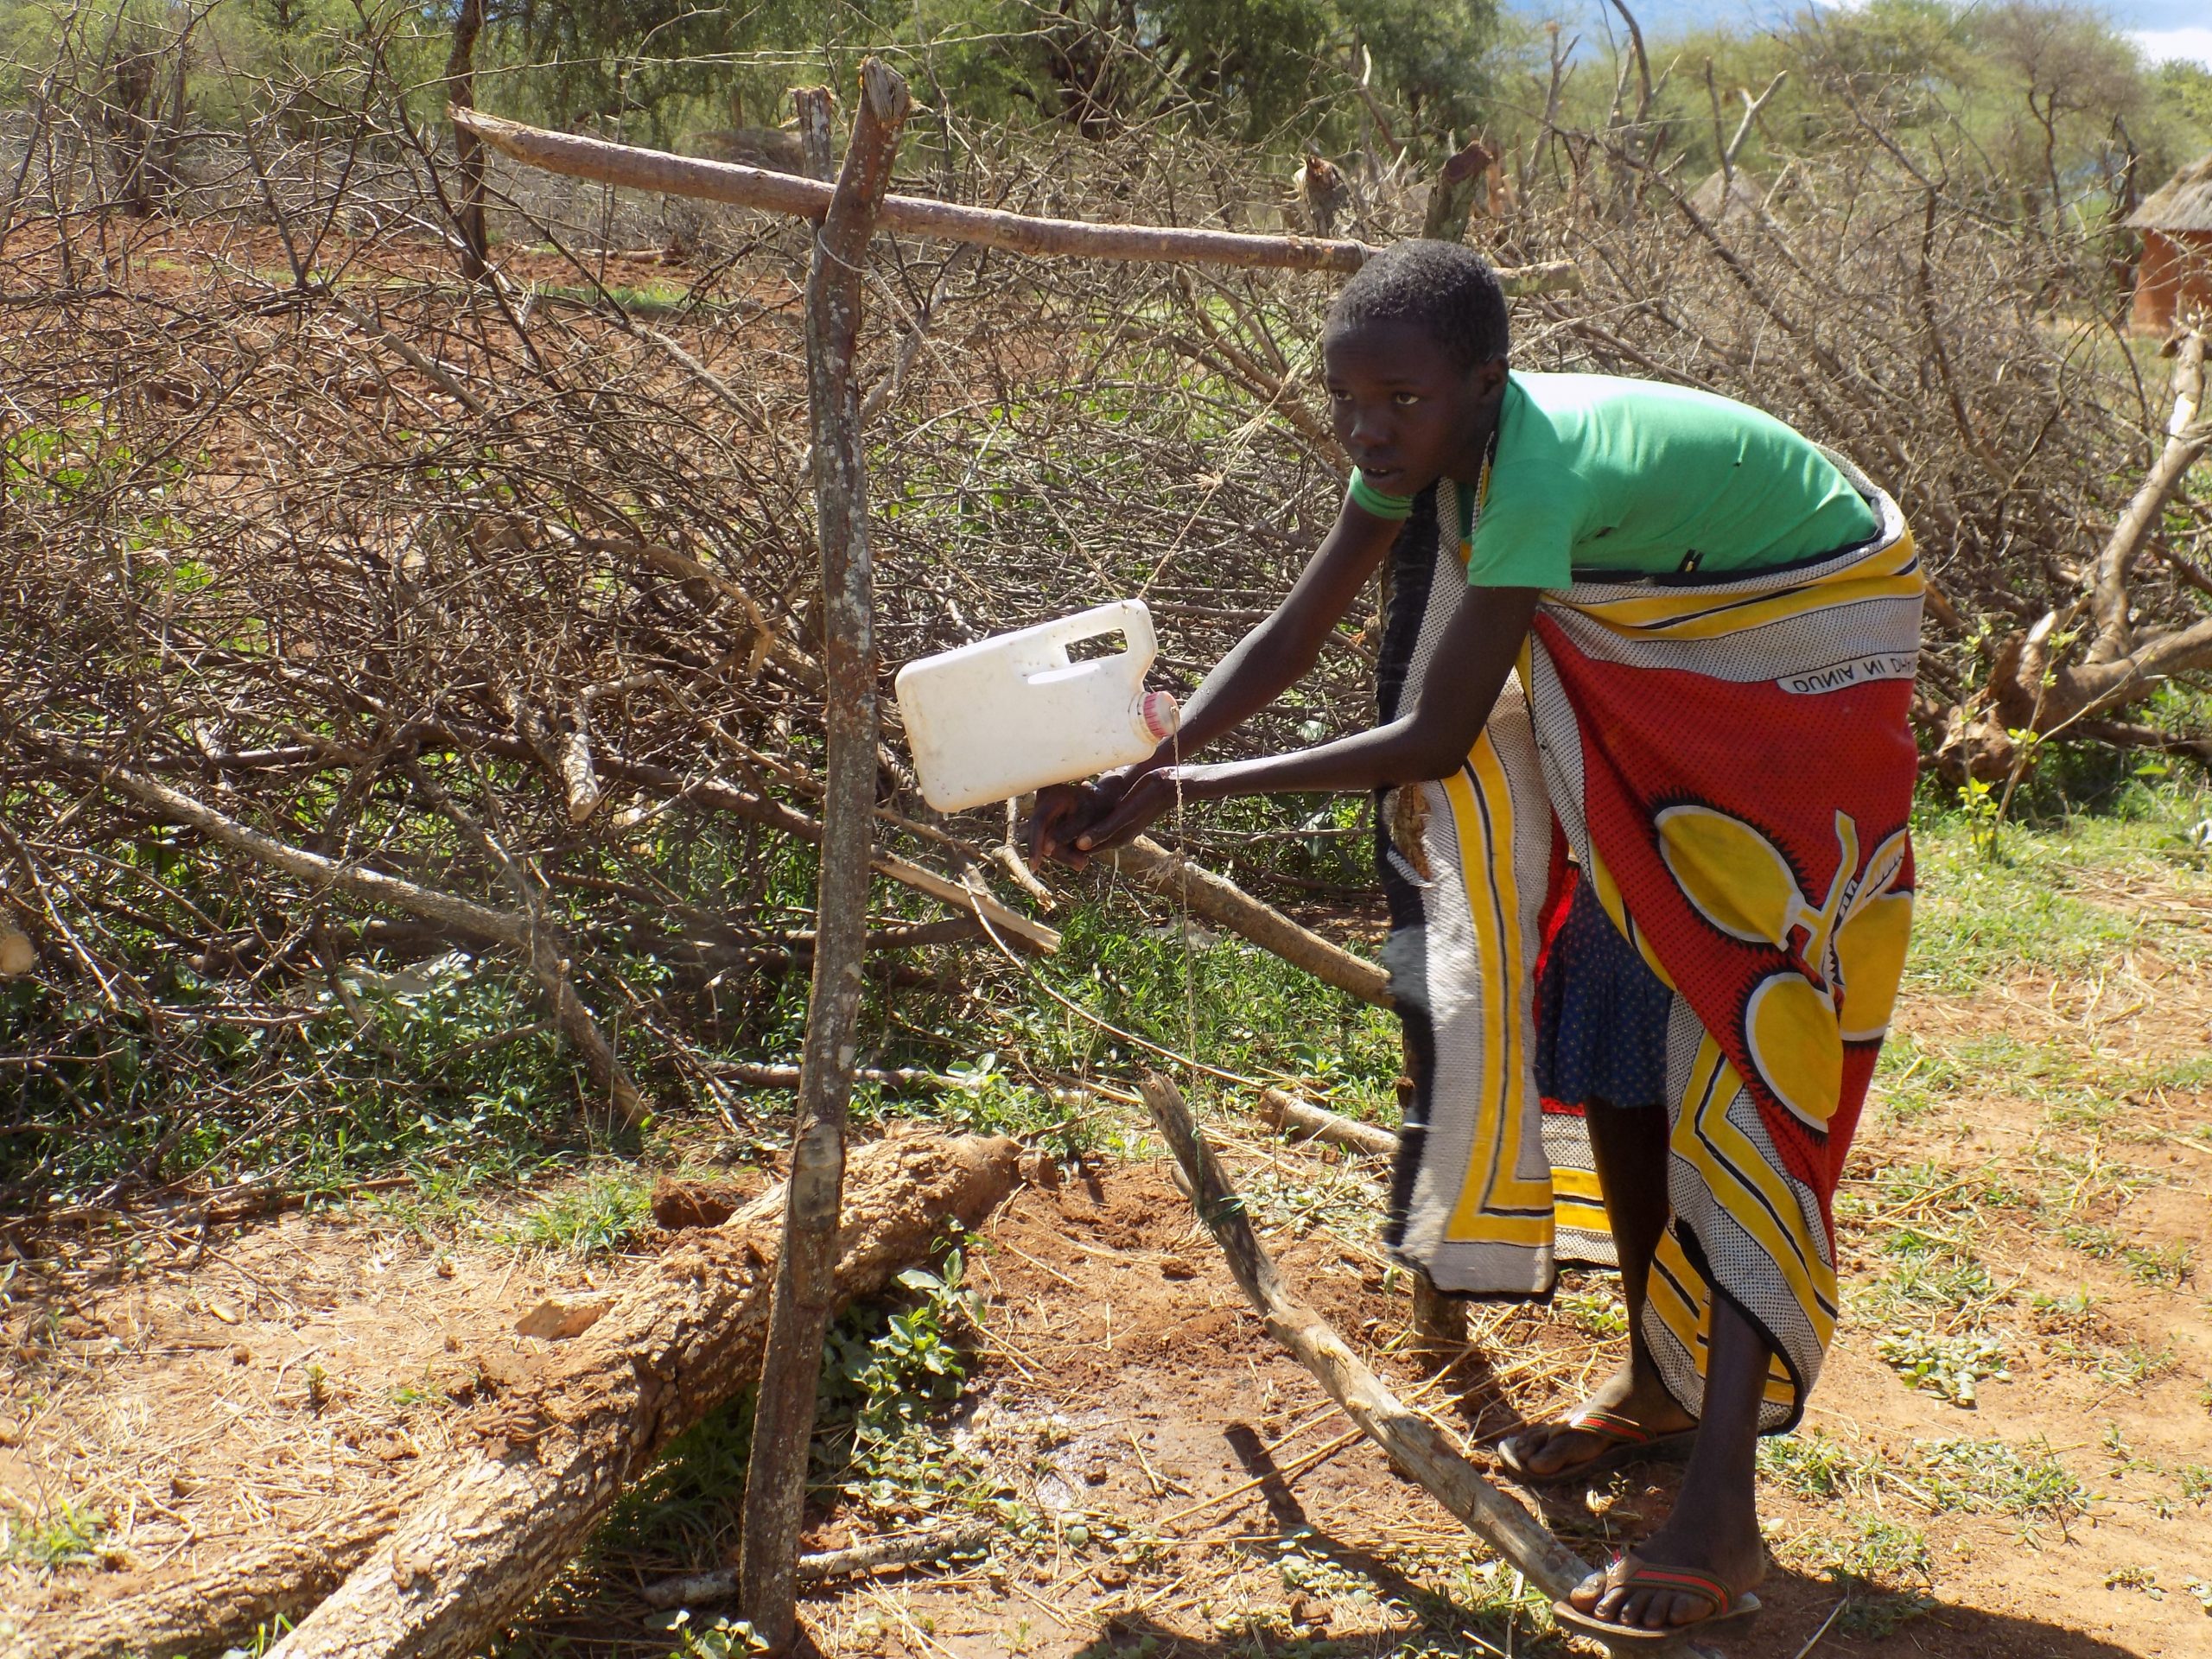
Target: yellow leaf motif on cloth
point(1870, 951)
point(1853, 937)
point(1794, 1038)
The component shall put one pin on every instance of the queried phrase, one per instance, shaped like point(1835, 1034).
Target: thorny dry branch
point(357, 557)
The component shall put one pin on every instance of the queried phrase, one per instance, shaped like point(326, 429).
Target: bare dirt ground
point(1193, 1494)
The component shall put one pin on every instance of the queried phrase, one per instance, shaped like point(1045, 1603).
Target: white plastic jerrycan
point(1011, 713)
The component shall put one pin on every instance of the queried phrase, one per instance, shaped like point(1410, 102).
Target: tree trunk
point(1451, 198)
point(468, 149)
point(775, 1480)
point(2029, 690)
point(2187, 437)
point(559, 1447)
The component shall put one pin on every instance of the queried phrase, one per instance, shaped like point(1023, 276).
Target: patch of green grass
point(1911, 1079)
point(1598, 1313)
point(602, 1215)
point(68, 1536)
point(1975, 1476)
point(1875, 1614)
point(2040, 900)
point(415, 1069)
point(1871, 1550)
point(2130, 1366)
point(1997, 1477)
point(2195, 1482)
point(1243, 1009)
point(2169, 1265)
point(1299, 1199)
point(1814, 1464)
point(987, 1101)
point(1948, 1364)
point(1923, 1282)
point(1881, 1566)
point(652, 300)
point(2075, 1310)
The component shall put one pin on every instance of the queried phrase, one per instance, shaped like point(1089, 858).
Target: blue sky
point(2164, 28)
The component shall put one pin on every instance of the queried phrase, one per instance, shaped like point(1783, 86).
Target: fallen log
point(1302, 1119)
point(1221, 900)
point(557, 1446)
point(473, 1553)
point(1413, 1444)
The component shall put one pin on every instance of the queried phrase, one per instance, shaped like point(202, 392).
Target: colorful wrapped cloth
point(1730, 761)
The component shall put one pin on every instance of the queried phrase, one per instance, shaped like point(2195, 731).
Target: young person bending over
point(1649, 553)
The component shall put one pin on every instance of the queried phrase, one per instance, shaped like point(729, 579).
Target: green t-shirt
point(1597, 474)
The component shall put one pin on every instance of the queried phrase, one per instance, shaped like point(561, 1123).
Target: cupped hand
point(1141, 802)
point(1064, 812)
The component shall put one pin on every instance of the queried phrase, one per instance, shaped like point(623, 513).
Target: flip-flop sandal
point(1736, 1613)
point(1624, 1441)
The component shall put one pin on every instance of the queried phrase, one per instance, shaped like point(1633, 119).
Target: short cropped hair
point(1445, 289)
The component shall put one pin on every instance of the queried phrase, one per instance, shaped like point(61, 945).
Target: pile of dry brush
point(431, 614)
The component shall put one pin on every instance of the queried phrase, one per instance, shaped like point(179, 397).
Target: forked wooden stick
point(1413, 1444)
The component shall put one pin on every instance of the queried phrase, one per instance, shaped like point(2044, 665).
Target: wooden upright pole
point(468, 149)
point(775, 1483)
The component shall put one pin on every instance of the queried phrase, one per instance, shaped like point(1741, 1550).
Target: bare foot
point(1725, 1546)
point(1558, 1448)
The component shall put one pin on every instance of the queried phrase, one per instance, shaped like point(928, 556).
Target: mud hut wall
point(2175, 277)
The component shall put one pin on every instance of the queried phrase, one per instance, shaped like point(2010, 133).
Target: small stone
point(183, 1485)
point(1176, 1267)
point(10, 1433)
point(1096, 1474)
point(446, 1264)
point(241, 1354)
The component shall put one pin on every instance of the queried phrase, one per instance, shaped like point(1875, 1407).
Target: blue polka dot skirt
point(1601, 1016)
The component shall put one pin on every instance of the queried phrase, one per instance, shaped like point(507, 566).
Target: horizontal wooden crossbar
point(636, 168)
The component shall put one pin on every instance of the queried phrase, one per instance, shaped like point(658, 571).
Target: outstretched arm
point(1265, 663)
point(1477, 650)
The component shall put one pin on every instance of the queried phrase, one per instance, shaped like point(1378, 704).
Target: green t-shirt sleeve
point(1367, 498)
point(1525, 537)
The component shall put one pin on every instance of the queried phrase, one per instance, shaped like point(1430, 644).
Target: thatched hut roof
point(2182, 203)
point(1725, 198)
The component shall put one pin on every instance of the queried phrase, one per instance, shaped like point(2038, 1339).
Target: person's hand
point(1065, 811)
point(1141, 802)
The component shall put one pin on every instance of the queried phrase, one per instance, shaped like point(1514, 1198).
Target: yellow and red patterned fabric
point(1730, 761)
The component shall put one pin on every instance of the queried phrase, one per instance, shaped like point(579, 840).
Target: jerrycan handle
point(1131, 617)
